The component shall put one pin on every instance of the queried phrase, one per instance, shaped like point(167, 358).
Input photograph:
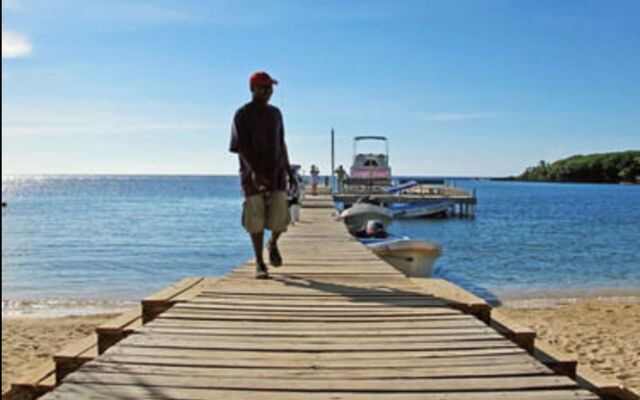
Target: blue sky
point(460, 87)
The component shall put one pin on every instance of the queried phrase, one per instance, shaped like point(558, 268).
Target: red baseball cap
point(261, 78)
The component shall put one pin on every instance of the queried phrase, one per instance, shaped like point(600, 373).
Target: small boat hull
point(359, 214)
point(419, 210)
point(414, 258)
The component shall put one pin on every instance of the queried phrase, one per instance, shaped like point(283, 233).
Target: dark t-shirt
point(257, 135)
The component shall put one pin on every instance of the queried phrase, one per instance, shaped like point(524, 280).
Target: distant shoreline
point(517, 179)
point(622, 167)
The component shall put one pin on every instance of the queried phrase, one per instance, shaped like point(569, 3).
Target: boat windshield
point(370, 145)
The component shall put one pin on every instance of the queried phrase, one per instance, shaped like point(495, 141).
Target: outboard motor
point(375, 229)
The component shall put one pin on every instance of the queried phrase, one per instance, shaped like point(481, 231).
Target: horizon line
point(230, 175)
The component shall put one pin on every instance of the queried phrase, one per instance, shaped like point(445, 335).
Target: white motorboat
point(414, 258)
point(370, 168)
point(357, 216)
point(419, 210)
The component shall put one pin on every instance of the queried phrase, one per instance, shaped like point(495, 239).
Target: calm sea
point(93, 243)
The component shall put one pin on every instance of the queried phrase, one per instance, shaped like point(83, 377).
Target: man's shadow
point(383, 294)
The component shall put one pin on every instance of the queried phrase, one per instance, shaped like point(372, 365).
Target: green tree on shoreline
point(595, 168)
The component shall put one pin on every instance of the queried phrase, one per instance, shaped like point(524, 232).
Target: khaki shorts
point(260, 212)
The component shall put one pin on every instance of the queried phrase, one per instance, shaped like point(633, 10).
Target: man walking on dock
point(257, 136)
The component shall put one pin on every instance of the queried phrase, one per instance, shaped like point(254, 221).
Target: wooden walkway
point(335, 322)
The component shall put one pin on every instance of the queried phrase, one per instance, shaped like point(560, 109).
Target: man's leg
point(257, 239)
point(274, 254)
point(274, 238)
point(278, 219)
point(253, 219)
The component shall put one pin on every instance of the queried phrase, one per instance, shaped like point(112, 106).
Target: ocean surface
point(81, 244)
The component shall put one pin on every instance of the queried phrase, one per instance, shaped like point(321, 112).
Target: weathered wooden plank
point(74, 355)
point(314, 385)
point(455, 296)
point(371, 274)
point(317, 364)
point(315, 325)
point(307, 318)
point(116, 329)
point(561, 362)
point(454, 371)
point(131, 392)
point(312, 294)
point(314, 355)
point(519, 334)
point(173, 290)
point(296, 306)
point(287, 335)
point(341, 283)
point(293, 328)
point(119, 392)
point(167, 297)
point(316, 303)
point(315, 346)
point(311, 311)
point(34, 383)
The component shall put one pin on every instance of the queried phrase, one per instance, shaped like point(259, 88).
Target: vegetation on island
point(594, 168)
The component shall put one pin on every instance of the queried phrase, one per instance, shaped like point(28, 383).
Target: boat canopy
point(357, 139)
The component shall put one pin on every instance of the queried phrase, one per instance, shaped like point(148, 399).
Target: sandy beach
point(603, 334)
point(28, 341)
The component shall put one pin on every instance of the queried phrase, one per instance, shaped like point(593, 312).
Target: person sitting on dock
point(257, 136)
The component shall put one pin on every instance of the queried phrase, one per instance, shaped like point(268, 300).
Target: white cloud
point(11, 5)
point(15, 45)
point(447, 117)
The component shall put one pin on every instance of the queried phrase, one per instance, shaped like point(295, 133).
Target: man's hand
point(260, 181)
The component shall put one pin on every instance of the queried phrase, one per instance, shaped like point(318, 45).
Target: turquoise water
point(94, 242)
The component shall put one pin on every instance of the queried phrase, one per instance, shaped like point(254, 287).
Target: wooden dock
point(335, 322)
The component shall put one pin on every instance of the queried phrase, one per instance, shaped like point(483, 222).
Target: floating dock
point(335, 322)
point(462, 203)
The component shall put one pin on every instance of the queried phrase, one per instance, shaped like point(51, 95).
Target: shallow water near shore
point(83, 244)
